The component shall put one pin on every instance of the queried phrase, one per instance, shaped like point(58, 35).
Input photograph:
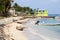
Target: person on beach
point(37, 22)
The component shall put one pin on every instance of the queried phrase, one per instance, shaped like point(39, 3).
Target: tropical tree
point(2, 7)
point(17, 7)
point(5, 6)
point(22, 9)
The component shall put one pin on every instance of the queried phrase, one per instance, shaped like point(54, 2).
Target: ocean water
point(48, 21)
point(38, 32)
point(53, 14)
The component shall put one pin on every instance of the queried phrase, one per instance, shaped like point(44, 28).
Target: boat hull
point(49, 24)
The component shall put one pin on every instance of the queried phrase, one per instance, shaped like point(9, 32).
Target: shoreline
point(19, 29)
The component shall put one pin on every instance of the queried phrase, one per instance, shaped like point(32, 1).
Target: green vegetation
point(21, 9)
point(5, 5)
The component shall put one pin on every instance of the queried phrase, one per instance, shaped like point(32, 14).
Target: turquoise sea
point(38, 32)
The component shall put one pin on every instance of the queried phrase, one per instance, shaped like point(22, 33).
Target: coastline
point(25, 29)
point(13, 30)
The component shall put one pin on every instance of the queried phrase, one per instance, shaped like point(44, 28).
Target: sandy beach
point(13, 32)
point(12, 28)
point(26, 29)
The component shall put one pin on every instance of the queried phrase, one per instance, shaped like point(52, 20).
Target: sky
point(53, 6)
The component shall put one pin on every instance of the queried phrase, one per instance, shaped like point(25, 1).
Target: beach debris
point(12, 39)
point(19, 22)
point(20, 28)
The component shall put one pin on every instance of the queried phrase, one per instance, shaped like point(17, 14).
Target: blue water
point(37, 32)
point(53, 14)
point(48, 21)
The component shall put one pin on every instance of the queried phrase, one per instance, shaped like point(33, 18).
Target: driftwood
point(1, 25)
point(20, 28)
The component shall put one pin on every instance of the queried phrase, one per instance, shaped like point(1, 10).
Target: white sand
point(11, 32)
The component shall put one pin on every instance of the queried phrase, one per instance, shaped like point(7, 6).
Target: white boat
point(57, 18)
point(49, 24)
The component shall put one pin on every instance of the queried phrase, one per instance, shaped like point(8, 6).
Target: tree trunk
point(7, 7)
